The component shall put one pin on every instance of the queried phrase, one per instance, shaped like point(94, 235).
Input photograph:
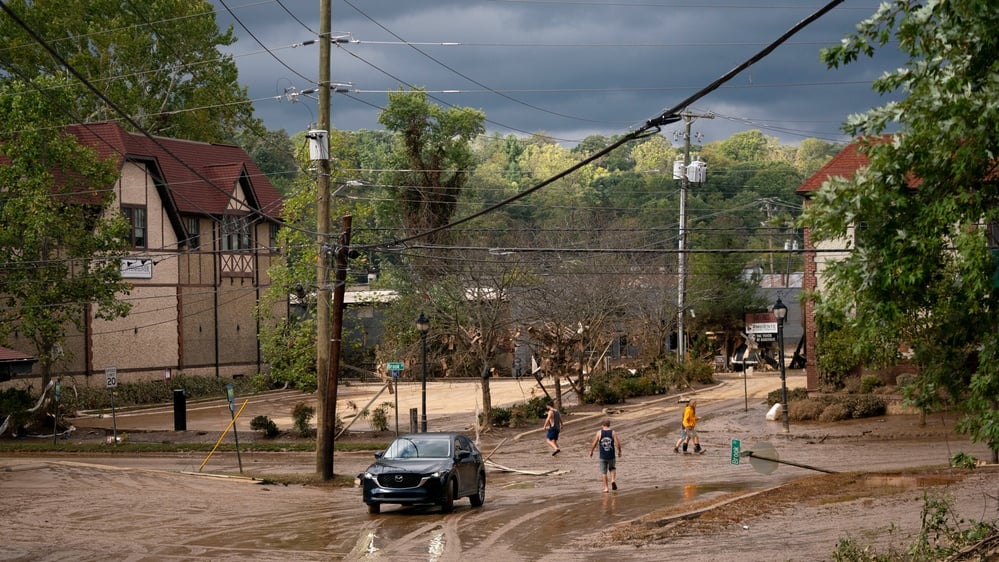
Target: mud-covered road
point(118, 507)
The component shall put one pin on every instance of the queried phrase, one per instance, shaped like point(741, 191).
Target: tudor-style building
point(203, 232)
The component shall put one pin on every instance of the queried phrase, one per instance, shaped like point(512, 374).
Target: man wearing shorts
point(610, 450)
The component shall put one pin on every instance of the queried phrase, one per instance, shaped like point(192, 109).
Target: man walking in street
point(553, 425)
point(689, 422)
point(610, 450)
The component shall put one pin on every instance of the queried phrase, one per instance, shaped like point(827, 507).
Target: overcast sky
point(569, 68)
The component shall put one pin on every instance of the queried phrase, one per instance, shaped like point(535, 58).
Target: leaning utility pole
point(681, 268)
point(324, 429)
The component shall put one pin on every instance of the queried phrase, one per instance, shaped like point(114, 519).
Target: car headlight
point(368, 475)
point(439, 474)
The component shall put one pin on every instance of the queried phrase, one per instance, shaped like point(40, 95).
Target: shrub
point(804, 410)
point(866, 406)
point(834, 412)
point(601, 390)
point(261, 382)
point(961, 460)
point(159, 391)
point(837, 358)
point(518, 415)
point(265, 424)
point(15, 403)
point(870, 382)
point(501, 417)
point(379, 417)
point(302, 414)
point(793, 395)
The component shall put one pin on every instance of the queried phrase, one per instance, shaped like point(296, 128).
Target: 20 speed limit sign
point(111, 373)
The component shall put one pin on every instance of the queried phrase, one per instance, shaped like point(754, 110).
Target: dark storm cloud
point(569, 68)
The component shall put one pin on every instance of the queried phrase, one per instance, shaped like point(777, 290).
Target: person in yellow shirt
point(689, 430)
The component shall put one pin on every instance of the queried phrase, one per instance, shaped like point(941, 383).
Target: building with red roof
point(817, 256)
point(203, 230)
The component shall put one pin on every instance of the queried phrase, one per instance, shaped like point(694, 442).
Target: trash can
point(179, 410)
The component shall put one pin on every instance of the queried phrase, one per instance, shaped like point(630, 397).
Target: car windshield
point(419, 448)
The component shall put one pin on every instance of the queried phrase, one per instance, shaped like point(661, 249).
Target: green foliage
point(500, 417)
point(942, 536)
point(837, 357)
point(602, 390)
point(923, 270)
point(870, 382)
point(379, 416)
point(433, 144)
point(620, 384)
point(14, 405)
point(161, 62)
point(261, 382)
point(301, 415)
point(962, 460)
point(77, 397)
point(59, 243)
point(265, 424)
point(519, 415)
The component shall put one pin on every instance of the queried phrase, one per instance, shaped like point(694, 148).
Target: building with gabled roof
point(817, 256)
point(203, 232)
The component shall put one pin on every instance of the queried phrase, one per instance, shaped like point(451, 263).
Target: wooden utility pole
point(341, 253)
point(324, 435)
point(681, 268)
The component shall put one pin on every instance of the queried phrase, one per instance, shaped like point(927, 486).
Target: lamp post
point(780, 312)
point(423, 325)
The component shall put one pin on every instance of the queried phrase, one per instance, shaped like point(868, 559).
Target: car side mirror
point(462, 455)
point(379, 454)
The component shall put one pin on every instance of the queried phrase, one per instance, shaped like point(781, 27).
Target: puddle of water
point(561, 525)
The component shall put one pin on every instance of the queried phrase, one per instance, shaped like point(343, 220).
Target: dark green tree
point(923, 215)
point(59, 240)
point(158, 60)
point(433, 157)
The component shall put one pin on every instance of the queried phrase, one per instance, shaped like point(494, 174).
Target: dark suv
point(426, 469)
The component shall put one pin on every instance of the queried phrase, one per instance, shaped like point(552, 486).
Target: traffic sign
point(736, 451)
point(111, 374)
point(396, 366)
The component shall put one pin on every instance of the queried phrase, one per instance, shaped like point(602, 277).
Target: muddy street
point(161, 508)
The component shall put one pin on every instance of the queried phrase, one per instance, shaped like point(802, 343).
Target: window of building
point(235, 232)
point(193, 233)
point(274, 237)
point(136, 217)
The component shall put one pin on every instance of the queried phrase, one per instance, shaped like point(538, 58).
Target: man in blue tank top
point(610, 450)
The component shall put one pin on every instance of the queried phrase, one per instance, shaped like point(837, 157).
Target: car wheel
point(479, 497)
point(447, 503)
point(374, 508)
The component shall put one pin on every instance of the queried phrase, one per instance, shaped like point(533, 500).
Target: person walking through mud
point(553, 425)
point(689, 422)
point(610, 451)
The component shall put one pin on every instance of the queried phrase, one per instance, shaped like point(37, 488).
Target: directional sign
point(736, 451)
point(396, 366)
point(111, 374)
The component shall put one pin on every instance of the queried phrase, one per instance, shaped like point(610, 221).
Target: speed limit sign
point(112, 376)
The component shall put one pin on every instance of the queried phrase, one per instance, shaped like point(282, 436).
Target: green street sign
point(396, 366)
point(736, 451)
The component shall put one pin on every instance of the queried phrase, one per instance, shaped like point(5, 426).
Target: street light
point(780, 312)
point(423, 325)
